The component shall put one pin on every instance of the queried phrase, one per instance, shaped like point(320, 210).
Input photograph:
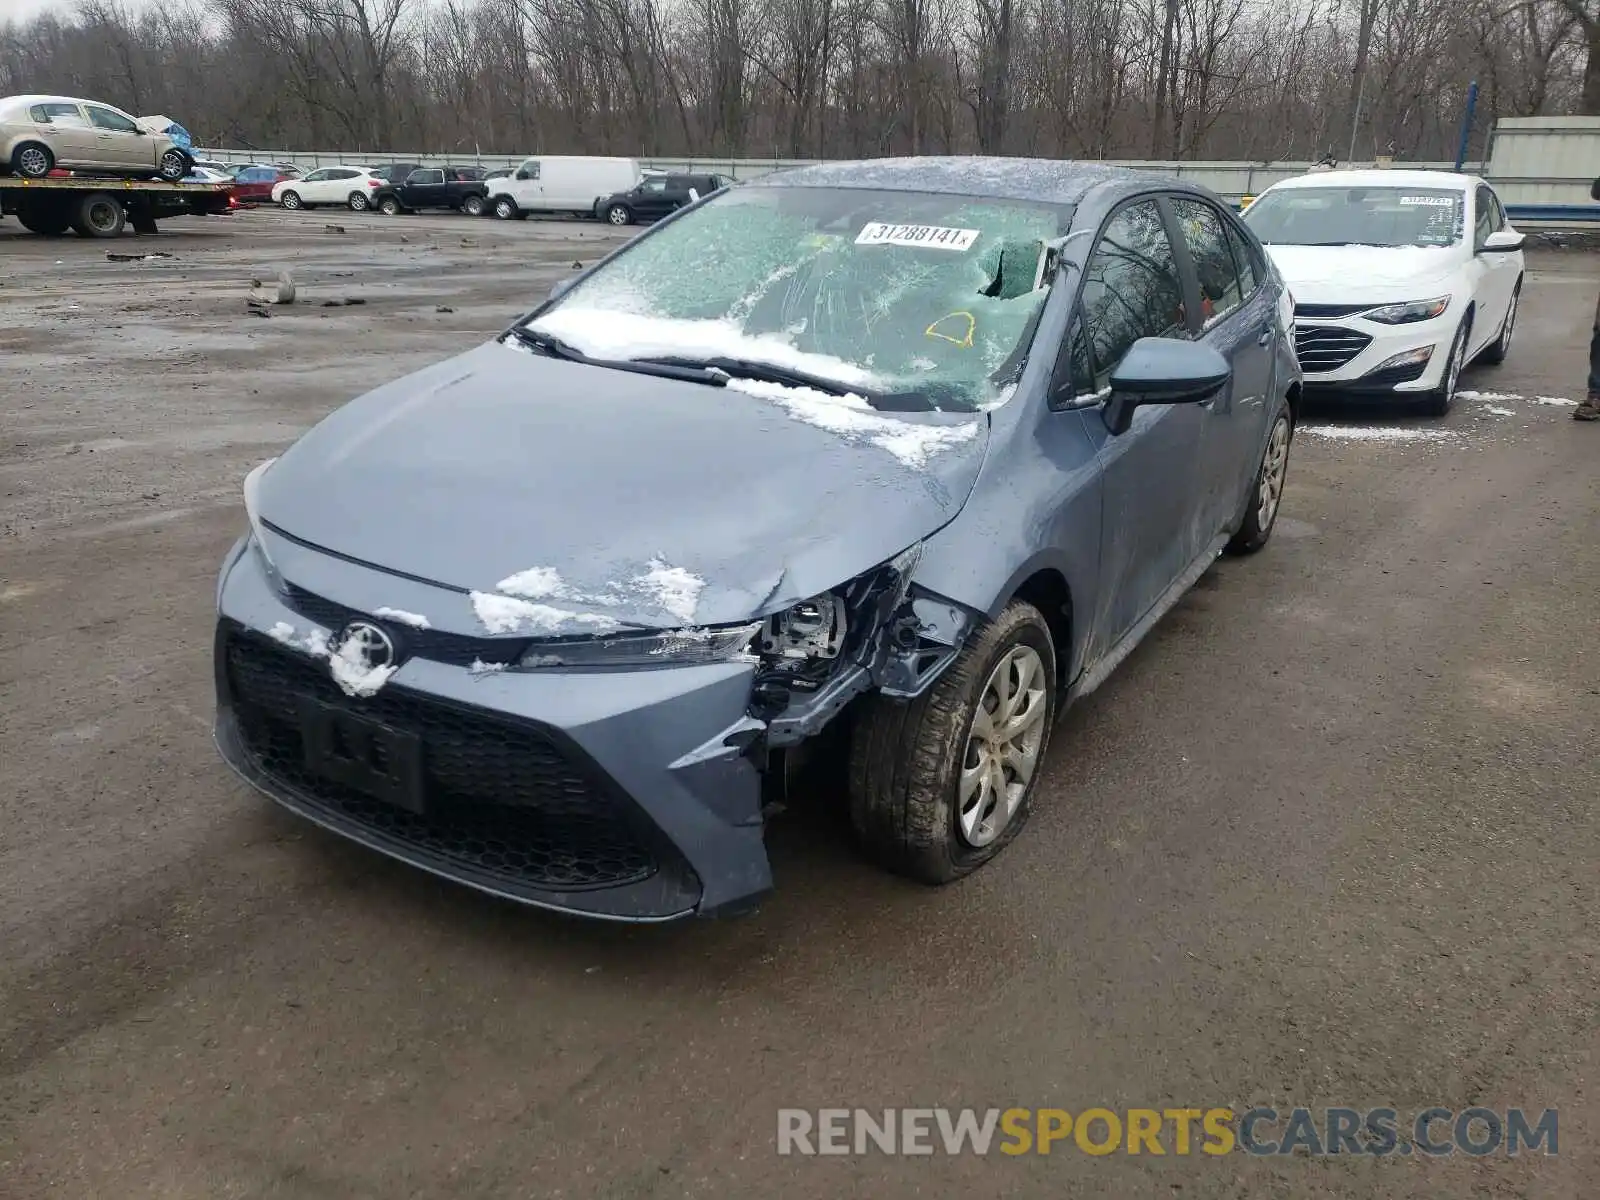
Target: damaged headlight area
point(672, 648)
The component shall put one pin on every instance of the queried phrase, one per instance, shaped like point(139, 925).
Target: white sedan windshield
point(1357, 216)
point(904, 292)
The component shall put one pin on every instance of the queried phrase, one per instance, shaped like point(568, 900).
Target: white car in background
point(351, 187)
point(1400, 279)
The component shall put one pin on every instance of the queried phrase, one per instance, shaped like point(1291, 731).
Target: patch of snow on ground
point(507, 614)
point(852, 418)
point(604, 333)
point(352, 675)
point(415, 620)
point(1378, 433)
point(1498, 411)
point(1487, 396)
point(673, 588)
point(1555, 401)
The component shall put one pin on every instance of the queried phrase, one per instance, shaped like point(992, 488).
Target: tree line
point(1160, 79)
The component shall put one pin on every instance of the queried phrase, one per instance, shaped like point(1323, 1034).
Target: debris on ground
point(469, 241)
point(281, 292)
point(343, 302)
point(577, 266)
point(111, 256)
point(443, 308)
point(258, 312)
point(333, 229)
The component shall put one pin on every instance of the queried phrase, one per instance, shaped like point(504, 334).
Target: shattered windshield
point(1357, 216)
point(906, 293)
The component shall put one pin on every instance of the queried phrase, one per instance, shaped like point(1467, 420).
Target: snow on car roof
point(1044, 179)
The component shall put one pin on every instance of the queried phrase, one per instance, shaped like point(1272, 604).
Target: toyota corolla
point(921, 447)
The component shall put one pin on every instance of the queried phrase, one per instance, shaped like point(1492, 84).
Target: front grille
point(1327, 347)
point(504, 800)
point(456, 649)
point(1330, 310)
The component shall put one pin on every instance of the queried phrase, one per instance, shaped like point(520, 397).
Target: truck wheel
point(941, 784)
point(49, 220)
point(99, 215)
point(618, 214)
point(174, 165)
point(505, 208)
point(359, 202)
point(32, 161)
point(290, 200)
point(473, 206)
point(388, 206)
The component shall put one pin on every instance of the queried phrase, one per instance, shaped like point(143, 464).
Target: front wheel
point(1438, 401)
point(473, 206)
point(358, 202)
point(174, 165)
point(505, 208)
point(1261, 512)
point(1496, 354)
point(941, 784)
point(618, 214)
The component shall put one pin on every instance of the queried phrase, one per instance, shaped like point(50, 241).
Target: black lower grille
point(1327, 347)
point(1389, 376)
point(456, 649)
point(1330, 310)
point(502, 798)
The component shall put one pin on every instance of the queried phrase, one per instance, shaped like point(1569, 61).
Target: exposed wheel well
point(1047, 591)
point(1295, 396)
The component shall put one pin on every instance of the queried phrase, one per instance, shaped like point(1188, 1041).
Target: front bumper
point(1351, 354)
point(623, 795)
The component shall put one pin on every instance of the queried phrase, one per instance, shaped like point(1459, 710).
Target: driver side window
point(1131, 288)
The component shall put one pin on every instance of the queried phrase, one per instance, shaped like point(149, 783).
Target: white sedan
point(350, 187)
point(1400, 279)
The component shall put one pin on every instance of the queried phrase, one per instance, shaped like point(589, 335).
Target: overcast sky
point(28, 8)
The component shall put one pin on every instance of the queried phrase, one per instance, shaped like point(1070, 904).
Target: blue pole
point(1466, 124)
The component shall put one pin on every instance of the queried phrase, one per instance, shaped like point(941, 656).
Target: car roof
point(28, 101)
point(1043, 179)
point(1381, 177)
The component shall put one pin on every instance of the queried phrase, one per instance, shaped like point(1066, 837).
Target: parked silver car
point(39, 133)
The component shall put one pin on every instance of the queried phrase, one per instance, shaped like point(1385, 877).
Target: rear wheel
point(32, 161)
point(388, 206)
point(290, 200)
point(472, 206)
point(943, 783)
point(50, 220)
point(99, 215)
point(358, 202)
point(1439, 400)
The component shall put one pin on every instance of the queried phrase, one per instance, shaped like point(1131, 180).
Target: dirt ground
point(1328, 838)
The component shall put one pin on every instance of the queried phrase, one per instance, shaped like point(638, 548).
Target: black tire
point(32, 160)
point(619, 214)
point(1501, 346)
point(505, 208)
point(472, 206)
point(907, 757)
point(389, 206)
point(49, 220)
point(291, 200)
point(1437, 403)
point(1266, 494)
point(99, 215)
point(358, 202)
point(174, 165)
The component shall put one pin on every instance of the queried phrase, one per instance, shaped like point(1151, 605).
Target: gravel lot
point(1328, 838)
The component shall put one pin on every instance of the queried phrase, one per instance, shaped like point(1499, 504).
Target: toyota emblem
point(371, 646)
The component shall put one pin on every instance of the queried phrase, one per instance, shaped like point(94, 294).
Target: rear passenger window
point(1131, 287)
point(1213, 259)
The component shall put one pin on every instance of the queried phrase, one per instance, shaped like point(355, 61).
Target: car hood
point(1363, 274)
point(502, 462)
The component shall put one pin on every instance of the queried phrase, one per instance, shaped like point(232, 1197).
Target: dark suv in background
point(657, 196)
point(461, 188)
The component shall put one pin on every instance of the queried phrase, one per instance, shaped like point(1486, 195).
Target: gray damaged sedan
point(920, 448)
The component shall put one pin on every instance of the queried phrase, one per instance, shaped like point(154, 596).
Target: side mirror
point(1162, 371)
point(1503, 241)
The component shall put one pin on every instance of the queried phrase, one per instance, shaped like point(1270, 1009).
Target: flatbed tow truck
point(101, 208)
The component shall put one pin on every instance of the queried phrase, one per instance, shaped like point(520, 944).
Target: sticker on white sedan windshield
point(936, 237)
point(1433, 201)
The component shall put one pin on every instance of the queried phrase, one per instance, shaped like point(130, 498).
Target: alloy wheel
point(1003, 744)
point(1274, 466)
point(33, 162)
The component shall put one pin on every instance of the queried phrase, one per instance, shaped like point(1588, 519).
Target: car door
point(424, 188)
point(651, 198)
point(1241, 327)
point(527, 186)
point(1133, 288)
point(66, 130)
point(1500, 272)
point(119, 142)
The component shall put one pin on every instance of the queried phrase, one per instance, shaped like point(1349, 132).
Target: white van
point(560, 183)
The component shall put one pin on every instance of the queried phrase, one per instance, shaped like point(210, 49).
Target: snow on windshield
point(896, 291)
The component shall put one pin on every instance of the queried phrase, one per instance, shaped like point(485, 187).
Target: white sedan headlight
point(1410, 312)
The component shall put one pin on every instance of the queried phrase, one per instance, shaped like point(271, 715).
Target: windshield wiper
point(661, 369)
point(746, 368)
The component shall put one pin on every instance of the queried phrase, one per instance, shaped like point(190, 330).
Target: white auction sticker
point(936, 237)
point(1432, 201)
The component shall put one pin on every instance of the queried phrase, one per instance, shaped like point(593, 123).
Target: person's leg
point(1589, 410)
